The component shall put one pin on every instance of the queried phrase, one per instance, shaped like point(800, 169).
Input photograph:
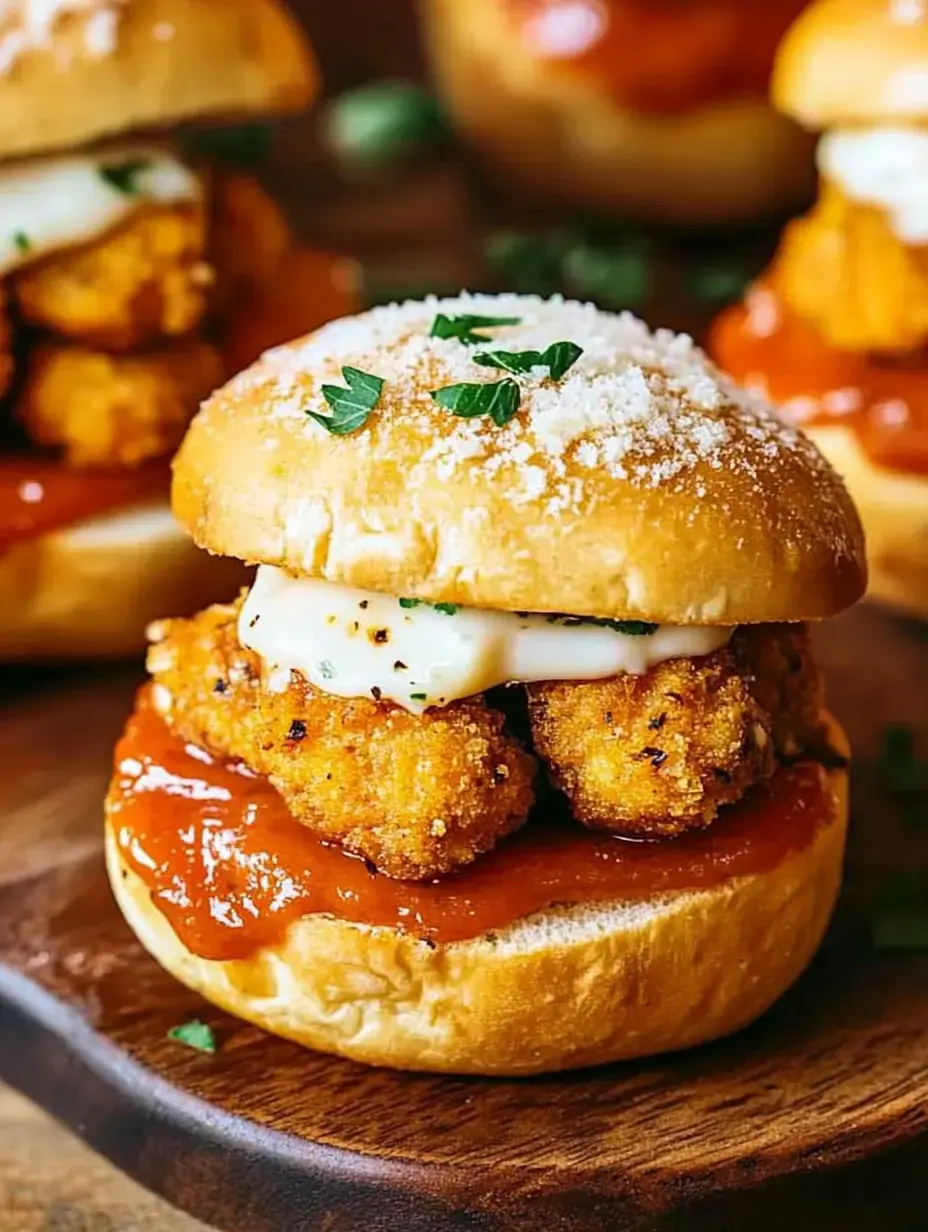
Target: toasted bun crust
point(90, 590)
point(854, 62)
point(563, 137)
point(644, 485)
point(894, 510)
point(150, 64)
point(572, 987)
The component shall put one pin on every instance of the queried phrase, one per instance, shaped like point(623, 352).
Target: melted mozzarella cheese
point(52, 203)
point(886, 167)
point(358, 643)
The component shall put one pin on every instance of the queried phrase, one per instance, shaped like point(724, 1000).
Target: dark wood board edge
point(244, 1178)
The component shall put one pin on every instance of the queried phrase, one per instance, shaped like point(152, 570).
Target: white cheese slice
point(358, 643)
point(51, 203)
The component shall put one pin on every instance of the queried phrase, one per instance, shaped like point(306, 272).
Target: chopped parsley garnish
point(383, 123)
point(905, 775)
point(21, 241)
point(417, 697)
point(498, 399)
point(351, 407)
point(194, 1034)
point(899, 914)
point(557, 358)
point(326, 670)
point(631, 628)
point(124, 176)
point(463, 327)
point(447, 609)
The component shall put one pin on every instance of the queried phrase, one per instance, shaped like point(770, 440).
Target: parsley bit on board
point(124, 176)
point(194, 1034)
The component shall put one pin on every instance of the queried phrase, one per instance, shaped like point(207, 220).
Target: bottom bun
point(89, 590)
point(562, 989)
point(893, 507)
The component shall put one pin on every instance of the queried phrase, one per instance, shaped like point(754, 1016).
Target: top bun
point(73, 71)
point(855, 62)
point(643, 485)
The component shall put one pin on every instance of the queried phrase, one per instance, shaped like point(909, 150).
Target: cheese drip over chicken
point(357, 643)
point(47, 204)
point(884, 167)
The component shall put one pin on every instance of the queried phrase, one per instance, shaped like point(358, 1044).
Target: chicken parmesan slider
point(656, 109)
point(135, 277)
point(836, 331)
point(514, 757)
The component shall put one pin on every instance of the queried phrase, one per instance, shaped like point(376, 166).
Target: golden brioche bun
point(562, 137)
point(854, 62)
point(89, 590)
point(893, 507)
point(644, 485)
point(147, 64)
point(570, 987)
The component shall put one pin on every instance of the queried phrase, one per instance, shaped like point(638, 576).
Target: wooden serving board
point(265, 1136)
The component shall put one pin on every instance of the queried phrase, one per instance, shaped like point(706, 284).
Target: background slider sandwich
point(531, 586)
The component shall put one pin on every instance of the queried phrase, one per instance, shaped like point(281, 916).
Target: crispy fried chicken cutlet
point(662, 753)
point(418, 796)
point(116, 410)
point(147, 280)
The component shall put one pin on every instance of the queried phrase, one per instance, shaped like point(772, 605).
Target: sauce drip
point(39, 495)
point(230, 868)
point(884, 400)
point(661, 56)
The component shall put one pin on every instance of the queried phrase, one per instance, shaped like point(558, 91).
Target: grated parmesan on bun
point(532, 582)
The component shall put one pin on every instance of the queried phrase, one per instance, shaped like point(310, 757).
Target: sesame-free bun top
point(73, 71)
point(855, 62)
point(642, 485)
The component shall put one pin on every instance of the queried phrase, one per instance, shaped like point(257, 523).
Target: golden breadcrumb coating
point(844, 270)
point(145, 280)
point(416, 795)
point(6, 346)
point(662, 753)
point(116, 410)
point(248, 240)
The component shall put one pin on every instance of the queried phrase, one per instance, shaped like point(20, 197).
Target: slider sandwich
point(653, 108)
point(134, 280)
point(514, 758)
point(836, 330)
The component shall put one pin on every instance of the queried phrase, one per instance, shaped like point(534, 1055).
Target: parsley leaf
point(899, 915)
point(194, 1034)
point(557, 358)
point(463, 327)
point(498, 399)
point(446, 609)
point(21, 241)
point(408, 603)
point(631, 628)
point(124, 176)
point(351, 407)
point(418, 697)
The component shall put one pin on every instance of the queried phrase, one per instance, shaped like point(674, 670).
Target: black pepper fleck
point(371, 867)
point(297, 730)
point(400, 666)
point(657, 756)
point(657, 722)
point(381, 636)
point(376, 693)
point(363, 605)
point(220, 686)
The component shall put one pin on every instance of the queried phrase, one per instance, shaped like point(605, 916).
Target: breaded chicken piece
point(249, 238)
point(662, 753)
point(6, 346)
point(416, 795)
point(146, 280)
point(844, 270)
point(116, 410)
